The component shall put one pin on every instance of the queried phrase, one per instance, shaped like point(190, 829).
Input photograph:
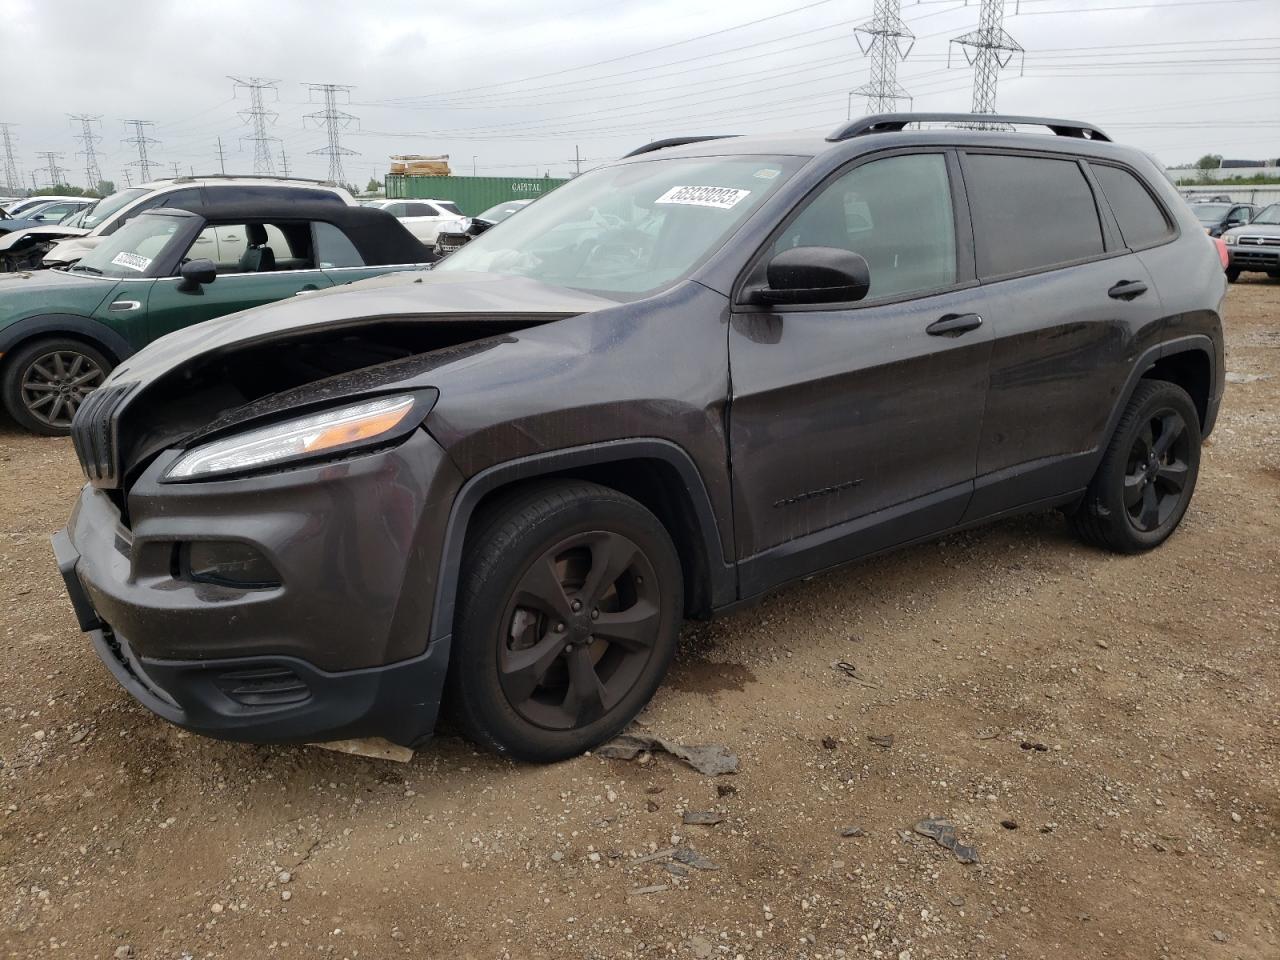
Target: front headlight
point(334, 430)
point(1229, 239)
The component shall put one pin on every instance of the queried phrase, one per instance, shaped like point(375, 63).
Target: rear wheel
point(569, 609)
point(1148, 473)
point(45, 382)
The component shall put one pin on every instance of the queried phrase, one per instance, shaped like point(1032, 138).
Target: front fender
point(55, 324)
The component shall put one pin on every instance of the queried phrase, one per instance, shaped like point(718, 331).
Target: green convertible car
point(61, 332)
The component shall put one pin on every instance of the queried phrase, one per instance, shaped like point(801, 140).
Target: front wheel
point(1148, 473)
point(1233, 274)
point(44, 383)
point(570, 603)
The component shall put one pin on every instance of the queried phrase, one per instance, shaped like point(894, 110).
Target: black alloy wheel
point(1155, 478)
point(580, 627)
point(1144, 484)
point(569, 606)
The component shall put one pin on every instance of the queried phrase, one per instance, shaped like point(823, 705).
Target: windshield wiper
point(81, 266)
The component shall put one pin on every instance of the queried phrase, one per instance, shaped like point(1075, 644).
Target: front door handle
point(125, 306)
point(953, 324)
point(307, 289)
point(1127, 290)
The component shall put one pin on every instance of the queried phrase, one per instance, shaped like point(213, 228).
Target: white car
point(424, 218)
point(62, 245)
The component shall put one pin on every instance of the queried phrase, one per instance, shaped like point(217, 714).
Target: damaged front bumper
point(334, 647)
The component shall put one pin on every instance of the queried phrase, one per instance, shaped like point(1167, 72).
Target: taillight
point(1222, 251)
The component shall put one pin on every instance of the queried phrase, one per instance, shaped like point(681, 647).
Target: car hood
point(409, 297)
point(1255, 230)
point(75, 244)
point(45, 232)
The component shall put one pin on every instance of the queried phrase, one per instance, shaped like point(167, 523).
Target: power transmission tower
point(56, 175)
point(284, 163)
point(141, 141)
point(261, 118)
point(92, 172)
point(887, 40)
point(177, 168)
point(335, 121)
point(222, 158)
point(128, 180)
point(989, 49)
point(12, 176)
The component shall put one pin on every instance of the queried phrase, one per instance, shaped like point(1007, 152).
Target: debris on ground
point(943, 833)
point(987, 733)
point(702, 818)
point(709, 759)
point(1009, 824)
point(1233, 377)
point(692, 858)
point(830, 743)
point(1033, 745)
point(881, 740)
point(853, 673)
point(375, 748)
point(848, 832)
point(643, 891)
point(725, 790)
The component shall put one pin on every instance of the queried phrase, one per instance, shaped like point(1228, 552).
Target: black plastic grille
point(93, 432)
point(264, 686)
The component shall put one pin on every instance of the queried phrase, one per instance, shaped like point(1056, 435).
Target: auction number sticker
point(131, 261)
point(722, 198)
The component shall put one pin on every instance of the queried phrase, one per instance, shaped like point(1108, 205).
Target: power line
point(56, 174)
point(140, 139)
point(988, 49)
point(92, 172)
point(887, 41)
point(260, 117)
point(334, 121)
point(12, 176)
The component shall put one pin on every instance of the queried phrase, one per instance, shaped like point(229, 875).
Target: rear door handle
point(1127, 290)
point(953, 324)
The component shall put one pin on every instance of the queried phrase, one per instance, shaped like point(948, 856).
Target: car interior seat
point(257, 257)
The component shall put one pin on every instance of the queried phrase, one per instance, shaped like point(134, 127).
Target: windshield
point(76, 219)
point(106, 207)
point(1268, 215)
point(1210, 212)
point(130, 251)
point(629, 230)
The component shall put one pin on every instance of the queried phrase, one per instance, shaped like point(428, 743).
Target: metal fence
point(1259, 193)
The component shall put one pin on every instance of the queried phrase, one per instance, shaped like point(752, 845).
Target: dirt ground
point(1104, 730)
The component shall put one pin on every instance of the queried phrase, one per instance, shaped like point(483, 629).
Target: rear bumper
point(337, 649)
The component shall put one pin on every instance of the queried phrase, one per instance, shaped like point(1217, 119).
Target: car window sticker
point(722, 198)
point(132, 261)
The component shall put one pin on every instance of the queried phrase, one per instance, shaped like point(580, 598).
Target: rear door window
point(334, 248)
point(1030, 213)
point(1142, 222)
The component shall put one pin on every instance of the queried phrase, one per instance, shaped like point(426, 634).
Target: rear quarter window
point(1030, 213)
point(1142, 222)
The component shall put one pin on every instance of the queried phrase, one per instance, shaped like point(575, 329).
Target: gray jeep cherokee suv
point(676, 382)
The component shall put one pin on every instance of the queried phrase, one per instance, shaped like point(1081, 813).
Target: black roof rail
point(891, 122)
point(674, 142)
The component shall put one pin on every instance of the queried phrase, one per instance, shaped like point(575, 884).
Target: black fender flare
point(1194, 343)
point(723, 574)
point(67, 324)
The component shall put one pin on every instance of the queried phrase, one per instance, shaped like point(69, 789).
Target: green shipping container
point(473, 195)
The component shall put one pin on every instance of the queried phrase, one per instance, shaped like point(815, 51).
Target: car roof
point(380, 237)
point(236, 179)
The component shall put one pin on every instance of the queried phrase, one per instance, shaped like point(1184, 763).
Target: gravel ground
point(1103, 730)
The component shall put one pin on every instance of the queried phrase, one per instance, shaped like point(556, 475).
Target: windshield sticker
point(768, 173)
point(722, 198)
point(132, 261)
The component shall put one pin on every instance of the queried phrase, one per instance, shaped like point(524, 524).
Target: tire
point(1233, 274)
point(532, 675)
point(1148, 473)
point(72, 368)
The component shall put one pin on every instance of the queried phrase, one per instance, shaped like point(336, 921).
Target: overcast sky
point(518, 87)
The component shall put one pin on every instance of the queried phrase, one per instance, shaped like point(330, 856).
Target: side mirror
point(196, 273)
point(814, 275)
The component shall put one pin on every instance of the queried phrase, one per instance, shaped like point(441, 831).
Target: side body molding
point(723, 586)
